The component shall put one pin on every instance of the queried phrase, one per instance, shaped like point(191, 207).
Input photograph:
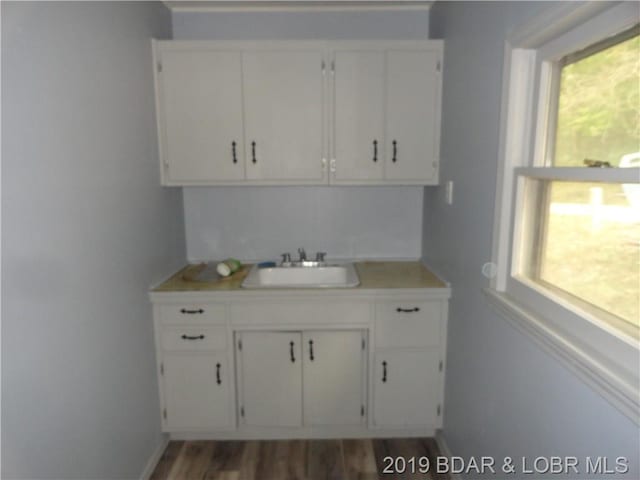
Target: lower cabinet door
point(334, 377)
point(271, 379)
point(197, 391)
point(407, 388)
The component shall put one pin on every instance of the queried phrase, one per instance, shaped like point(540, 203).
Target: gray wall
point(345, 222)
point(261, 222)
point(85, 229)
point(504, 396)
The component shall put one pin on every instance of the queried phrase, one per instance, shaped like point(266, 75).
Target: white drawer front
point(192, 313)
point(406, 323)
point(300, 313)
point(193, 338)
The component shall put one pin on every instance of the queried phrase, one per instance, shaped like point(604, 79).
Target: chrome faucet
point(303, 255)
point(320, 257)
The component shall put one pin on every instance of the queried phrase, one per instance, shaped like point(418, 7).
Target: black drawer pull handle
point(384, 372)
point(253, 152)
point(407, 310)
point(395, 151)
point(293, 358)
point(375, 150)
point(191, 312)
point(194, 337)
point(218, 381)
point(233, 151)
point(311, 350)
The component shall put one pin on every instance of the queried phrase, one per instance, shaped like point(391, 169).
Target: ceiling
point(292, 5)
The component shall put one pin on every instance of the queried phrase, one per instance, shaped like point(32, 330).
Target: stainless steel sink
point(320, 275)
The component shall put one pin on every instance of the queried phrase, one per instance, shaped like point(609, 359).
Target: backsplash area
point(254, 223)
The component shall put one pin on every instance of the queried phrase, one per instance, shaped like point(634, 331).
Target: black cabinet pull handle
point(375, 150)
point(293, 358)
point(184, 311)
point(395, 151)
point(311, 350)
point(253, 152)
point(195, 337)
point(408, 310)
point(233, 152)
point(218, 381)
point(384, 372)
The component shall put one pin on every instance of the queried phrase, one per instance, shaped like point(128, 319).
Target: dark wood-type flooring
point(361, 459)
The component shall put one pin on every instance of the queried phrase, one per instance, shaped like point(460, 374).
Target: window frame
point(605, 357)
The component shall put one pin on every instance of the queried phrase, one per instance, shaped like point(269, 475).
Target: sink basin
point(329, 276)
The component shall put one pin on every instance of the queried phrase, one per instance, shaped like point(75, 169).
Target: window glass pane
point(599, 107)
point(589, 244)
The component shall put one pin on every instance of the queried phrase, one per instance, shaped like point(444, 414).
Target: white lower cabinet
point(290, 379)
point(270, 371)
point(197, 391)
point(245, 365)
point(407, 386)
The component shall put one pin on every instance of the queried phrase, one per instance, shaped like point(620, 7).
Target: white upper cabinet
point(200, 115)
point(284, 106)
point(358, 119)
point(299, 113)
point(413, 115)
point(386, 114)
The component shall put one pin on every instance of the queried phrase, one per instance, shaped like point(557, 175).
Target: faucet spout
point(303, 255)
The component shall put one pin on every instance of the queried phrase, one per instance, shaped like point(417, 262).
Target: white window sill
point(612, 383)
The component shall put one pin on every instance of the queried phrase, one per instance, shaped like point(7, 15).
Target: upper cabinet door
point(200, 115)
point(413, 115)
point(284, 115)
point(358, 127)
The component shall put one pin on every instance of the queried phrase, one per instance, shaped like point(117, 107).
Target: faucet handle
point(286, 258)
point(320, 256)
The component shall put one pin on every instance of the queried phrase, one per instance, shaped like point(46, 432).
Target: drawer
point(406, 323)
point(307, 312)
point(192, 313)
point(193, 338)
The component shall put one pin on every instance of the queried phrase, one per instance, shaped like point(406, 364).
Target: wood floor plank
point(168, 458)
point(324, 460)
point(193, 460)
point(226, 459)
point(359, 460)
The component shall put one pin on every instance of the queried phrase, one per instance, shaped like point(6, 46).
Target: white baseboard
point(155, 458)
point(445, 451)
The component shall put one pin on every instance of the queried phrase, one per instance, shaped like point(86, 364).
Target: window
point(565, 264)
point(582, 238)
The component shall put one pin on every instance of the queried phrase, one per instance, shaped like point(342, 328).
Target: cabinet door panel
point(283, 101)
point(201, 115)
point(406, 388)
point(413, 91)
point(334, 376)
point(359, 115)
point(271, 378)
point(197, 391)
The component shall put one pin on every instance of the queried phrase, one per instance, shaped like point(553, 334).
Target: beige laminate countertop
point(373, 275)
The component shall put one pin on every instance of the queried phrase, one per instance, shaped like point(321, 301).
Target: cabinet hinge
point(162, 369)
point(242, 412)
point(239, 344)
point(362, 410)
point(363, 344)
point(164, 413)
point(440, 366)
point(438, 409)
point(159, 67)
point(438, 66)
